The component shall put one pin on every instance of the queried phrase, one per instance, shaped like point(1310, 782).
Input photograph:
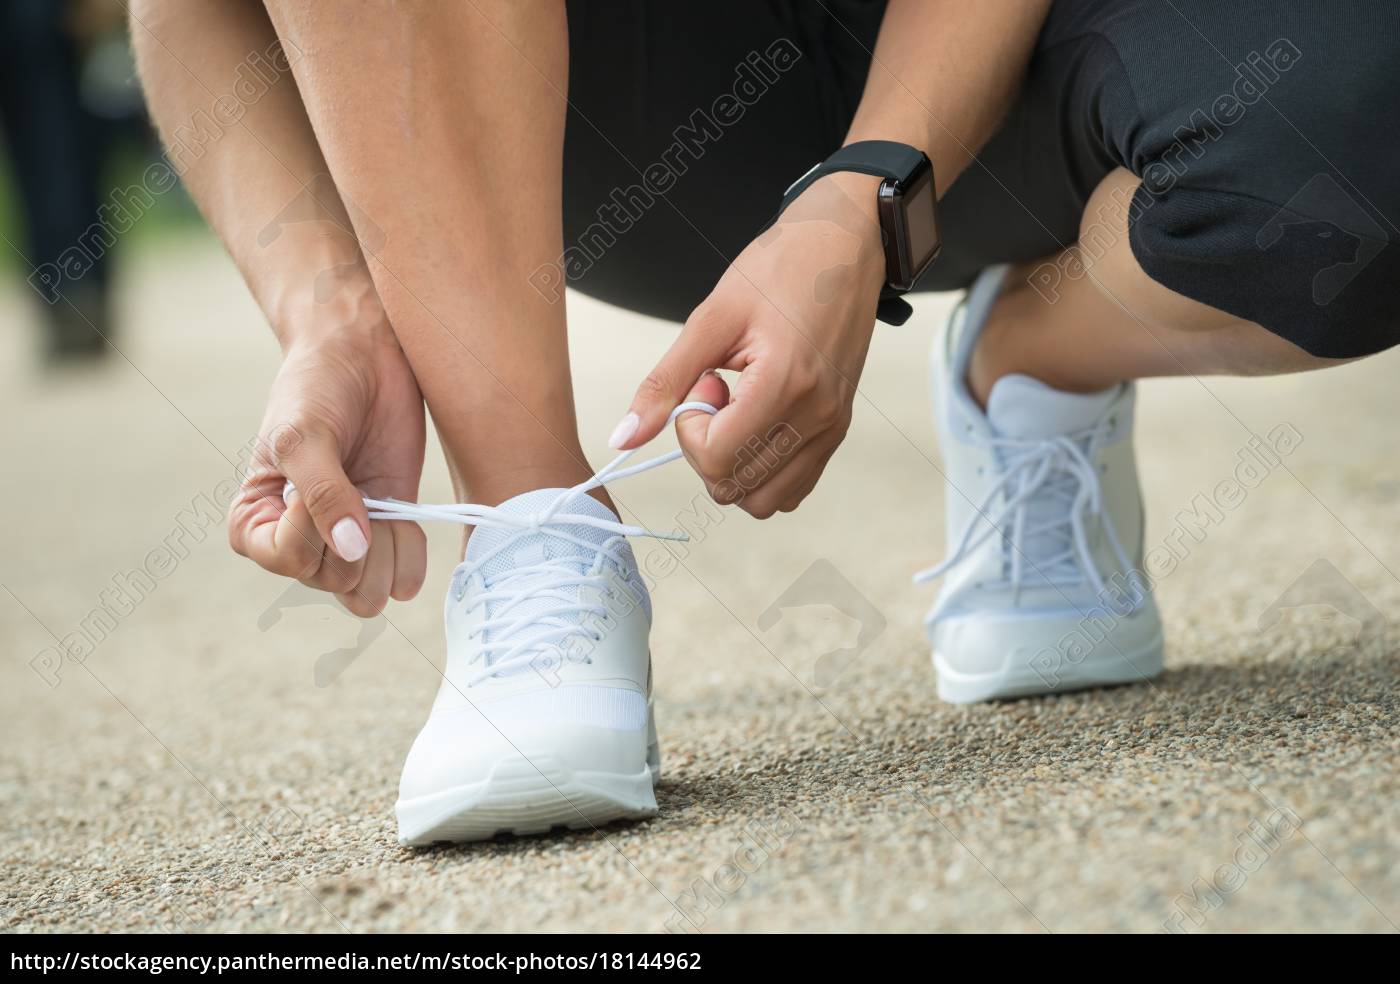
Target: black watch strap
point(893, 309)
point(881, 158)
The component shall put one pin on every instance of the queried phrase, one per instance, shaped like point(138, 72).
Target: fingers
point(301, 532)
point(335, 506)
point(704, 343)
point(282, 535)
point(288, 543)
point(326, 571)
point(785, 491)
point(410, 560)
point(746, 445)
point(758, 418)
point(371, 593)
point(693, 426)
point(277, 536)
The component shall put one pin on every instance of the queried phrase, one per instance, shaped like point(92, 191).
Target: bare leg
point(234, 128)
point(1116, 323)
point(443, 126)
point(191, 53)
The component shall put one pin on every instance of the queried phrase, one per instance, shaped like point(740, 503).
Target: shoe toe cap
point(1042, 645)
point(583, 731)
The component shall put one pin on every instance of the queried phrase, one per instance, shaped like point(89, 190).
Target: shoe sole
point(531, 794)
point(1013, 681)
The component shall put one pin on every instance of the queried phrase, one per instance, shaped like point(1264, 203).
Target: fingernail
point(624, 430)
point(349, 539)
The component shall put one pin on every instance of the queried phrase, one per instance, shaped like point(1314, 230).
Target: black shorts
point(1267, 135)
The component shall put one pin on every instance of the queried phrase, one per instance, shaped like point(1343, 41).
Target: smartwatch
point(908, 205)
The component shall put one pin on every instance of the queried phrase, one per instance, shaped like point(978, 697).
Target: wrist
point(945, 152)
point(843, 209)
point(352, 314)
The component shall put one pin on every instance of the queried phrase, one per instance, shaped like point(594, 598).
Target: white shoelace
point(508, 642)
point(1058, 468)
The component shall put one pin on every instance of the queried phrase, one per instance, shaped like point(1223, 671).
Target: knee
point(1245, 349)
point(1101, 249)
point(1222, 301)
point(1275, 210)
point(1103, 254)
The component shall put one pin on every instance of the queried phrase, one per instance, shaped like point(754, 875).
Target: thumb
point(692, 427)
point(335, 505)
point(702, 344)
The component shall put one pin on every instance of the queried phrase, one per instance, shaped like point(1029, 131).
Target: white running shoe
point(544, 715)
point(543, 718)
point(1044, 590)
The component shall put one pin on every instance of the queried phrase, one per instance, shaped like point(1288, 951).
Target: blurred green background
point(73, 131)
point(123, 167)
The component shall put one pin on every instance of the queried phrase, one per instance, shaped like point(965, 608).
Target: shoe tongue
point(1025, 408)
point(532, 548)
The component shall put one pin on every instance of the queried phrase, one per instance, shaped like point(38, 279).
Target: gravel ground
point(191, 774)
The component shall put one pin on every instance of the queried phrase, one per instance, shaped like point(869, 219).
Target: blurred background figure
point(72, 121)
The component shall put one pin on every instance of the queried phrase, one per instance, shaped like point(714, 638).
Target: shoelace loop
point(1032, 467)
point(509, 646)
point(471, 514)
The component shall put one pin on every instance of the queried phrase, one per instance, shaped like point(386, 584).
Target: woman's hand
point(794, 314)
point(796, 309)
point(344, 418)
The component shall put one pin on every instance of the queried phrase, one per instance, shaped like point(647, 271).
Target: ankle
point(499, 487)
point(1005, 344)
point(491, 489)
point(1065, 349)
point(504, 487)
point(988, 361)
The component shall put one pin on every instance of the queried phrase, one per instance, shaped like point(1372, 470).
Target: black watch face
point(909, 220)
point(921, 223)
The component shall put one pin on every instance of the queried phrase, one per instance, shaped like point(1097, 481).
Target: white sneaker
point(544, 716)
point(1044, 591)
